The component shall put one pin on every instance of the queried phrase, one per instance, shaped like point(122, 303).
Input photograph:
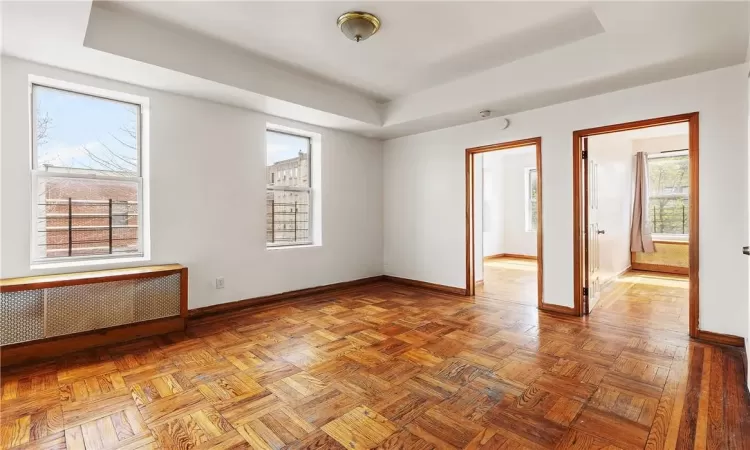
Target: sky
point(80, 122)
point(281, 146)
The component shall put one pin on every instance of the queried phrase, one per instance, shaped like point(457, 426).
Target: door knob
point(600, 231)
point(746, 250)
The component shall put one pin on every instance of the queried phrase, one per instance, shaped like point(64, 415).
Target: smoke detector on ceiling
point(504, 124)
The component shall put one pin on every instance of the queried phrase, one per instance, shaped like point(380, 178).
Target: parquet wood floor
point(656, 300)
point(510, 280)
point(389, 367)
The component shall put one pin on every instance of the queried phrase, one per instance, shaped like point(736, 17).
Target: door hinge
point(585, 154)
point(585, 291)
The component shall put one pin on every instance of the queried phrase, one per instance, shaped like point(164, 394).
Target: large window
point(288, 189)
point(530, 200)
point(668, 190)
point(86, 175)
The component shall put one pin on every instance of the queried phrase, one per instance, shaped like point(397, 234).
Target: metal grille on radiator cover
point(157, 297)
point(21, 316)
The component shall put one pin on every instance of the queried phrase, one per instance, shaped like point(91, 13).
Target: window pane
point(287, 217)
point(82, 134)
point(74, 217)
point(669, 215)
point(287, 160)
point(668, 190)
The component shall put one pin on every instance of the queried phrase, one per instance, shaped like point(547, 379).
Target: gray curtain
point(640, 234)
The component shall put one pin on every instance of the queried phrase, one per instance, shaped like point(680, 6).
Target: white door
point(593, 232)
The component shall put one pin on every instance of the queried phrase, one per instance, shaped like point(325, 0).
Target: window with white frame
point(86, 174)
point(530, 199)
point(288, 189)
point(668, 194)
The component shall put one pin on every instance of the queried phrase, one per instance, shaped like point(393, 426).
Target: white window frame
point(530, 228)
point(143, 253)
point(308, 189)
point(668, 236)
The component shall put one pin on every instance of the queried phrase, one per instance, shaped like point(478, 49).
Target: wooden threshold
point(52, 347)
point(558, 309)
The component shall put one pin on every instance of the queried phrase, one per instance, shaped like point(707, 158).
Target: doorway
point(635, 222)
point(504, 257)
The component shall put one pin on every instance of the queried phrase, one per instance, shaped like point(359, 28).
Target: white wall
point(493, 223)
point(208, 194)
point(517, 241)
point(504, 205)
point(424, 188)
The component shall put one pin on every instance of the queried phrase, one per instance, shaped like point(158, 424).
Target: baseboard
point(52, 347)
point(241, 304)
point(721, 339)
point(616, 276)
point(509, 255)
point(558, 309)
point(426, 285)
point(517, 256)
point(479, 283)
point(660, 268)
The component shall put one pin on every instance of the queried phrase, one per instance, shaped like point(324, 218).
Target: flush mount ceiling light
point(357, 25)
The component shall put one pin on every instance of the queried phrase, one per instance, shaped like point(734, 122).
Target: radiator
point(33, 314)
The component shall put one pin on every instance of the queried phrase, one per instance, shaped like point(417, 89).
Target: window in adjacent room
point(530, 201)
point(668, 194)
point(87, 175)
point(288, 198)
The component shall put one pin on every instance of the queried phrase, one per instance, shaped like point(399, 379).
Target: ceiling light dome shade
point(358, 26)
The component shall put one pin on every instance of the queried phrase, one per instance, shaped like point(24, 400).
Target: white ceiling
point(419, 45)
point(433, 64)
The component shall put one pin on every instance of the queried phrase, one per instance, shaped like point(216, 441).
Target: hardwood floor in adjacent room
point(510, 280)
point(392, 367)
point(653, 300)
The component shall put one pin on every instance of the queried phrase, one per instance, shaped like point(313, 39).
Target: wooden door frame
point(692, 119)
point(470, 257)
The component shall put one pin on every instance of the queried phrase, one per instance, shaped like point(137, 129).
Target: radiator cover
point(29, 315)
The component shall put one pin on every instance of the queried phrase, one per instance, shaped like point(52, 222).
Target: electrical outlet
point(220, 283)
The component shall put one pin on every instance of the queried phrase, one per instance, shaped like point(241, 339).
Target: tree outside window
point(668, 193)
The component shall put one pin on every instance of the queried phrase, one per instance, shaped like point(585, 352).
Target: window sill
point(88, 262)
point(670, 239)
point(291, 247)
